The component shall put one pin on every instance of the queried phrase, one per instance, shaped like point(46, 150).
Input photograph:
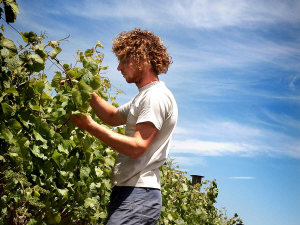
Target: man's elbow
point(137, 153)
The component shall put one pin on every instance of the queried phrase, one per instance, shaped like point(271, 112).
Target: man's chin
point(129, 81)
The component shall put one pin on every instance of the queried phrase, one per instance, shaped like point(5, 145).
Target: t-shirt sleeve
point(124, 109)
point(153, 108)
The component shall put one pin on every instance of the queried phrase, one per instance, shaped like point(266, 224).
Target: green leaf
point(101, 215)
point(36, 151)
point(184, 187)
point(36, 193)
point(110, 162)
point(89, 52)
point(38, 137)
point(10, 45)
point(66, 66)
point(98, 171)
point(106, 183)
point(74, 73)
point(103, 67)
point(25, 38)
point(89, 202)
point(57, 218)
point(30, 37)
point(170, 217)
point(115, 104)
point(14, 125)
point(12, 90)
point(8, 110)
point(13, 5)
point(90, 64)
point(39, 86)
point(13, 63)
point(5, 53)
point(88, 77)
point(77, 98)
point(63, 192)
point(96, 83)
point(53, 44)
point(2, 96)
point(7, 134)
point(84, 173)
point(77, 112)
point(44, 129)
point(84, 88)
point(6, 83)
point(32, 222)
point(38, 62)
point(39, 49)
point(56, 80)
point(99, 44)
point(46, 98)
point(2, 158)
point(103, 94)
point(82, 94)
point(55, 52)
point(62, 149)
point(70, 165)
point(57, 158)
point(36, 59)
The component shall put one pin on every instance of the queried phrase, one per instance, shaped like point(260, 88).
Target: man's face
point(130, 72)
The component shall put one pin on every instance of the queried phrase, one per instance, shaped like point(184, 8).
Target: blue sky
point(235, 76)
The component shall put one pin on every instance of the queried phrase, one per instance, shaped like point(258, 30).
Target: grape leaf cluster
point(51, 171)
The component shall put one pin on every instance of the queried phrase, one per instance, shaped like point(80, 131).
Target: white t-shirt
point(156, 104)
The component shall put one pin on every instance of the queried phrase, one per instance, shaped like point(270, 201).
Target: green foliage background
point(54, 173)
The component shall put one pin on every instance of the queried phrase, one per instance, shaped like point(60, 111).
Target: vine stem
point(62, 125)
point(25, 63)
point(66, 72)
point(11, 26)
point(55, 65)
point(65, 39)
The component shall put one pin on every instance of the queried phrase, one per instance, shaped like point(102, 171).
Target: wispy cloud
point(213, 138)
point(193, 13)
point(285, 121)
point(293, 80)
point(209, 148)
point(181, 130)
point(242, 178)
point(228, 66)
point(234, 51)
point(188, 161)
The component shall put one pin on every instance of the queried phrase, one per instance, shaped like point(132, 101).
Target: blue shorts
point(134, 205)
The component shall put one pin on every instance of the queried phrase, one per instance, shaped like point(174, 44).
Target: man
point(150, 119)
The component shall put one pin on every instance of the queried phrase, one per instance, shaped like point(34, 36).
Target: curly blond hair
point(139, 46)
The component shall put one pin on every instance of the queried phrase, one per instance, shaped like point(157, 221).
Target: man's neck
point(148, 77)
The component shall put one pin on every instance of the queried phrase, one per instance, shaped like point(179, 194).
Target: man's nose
point(120, 67)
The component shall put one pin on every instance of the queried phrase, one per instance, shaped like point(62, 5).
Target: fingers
point(81, 121)
point(62, 82)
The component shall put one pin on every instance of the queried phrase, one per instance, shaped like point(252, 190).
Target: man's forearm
point(125, 145)
point(104, 110)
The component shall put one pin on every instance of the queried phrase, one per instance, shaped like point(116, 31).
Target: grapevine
point(54, 173)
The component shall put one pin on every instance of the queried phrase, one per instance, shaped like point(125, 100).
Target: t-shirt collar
point(149, 85)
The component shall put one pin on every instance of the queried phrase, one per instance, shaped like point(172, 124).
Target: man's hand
point(134, 147)
point(81, 121)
